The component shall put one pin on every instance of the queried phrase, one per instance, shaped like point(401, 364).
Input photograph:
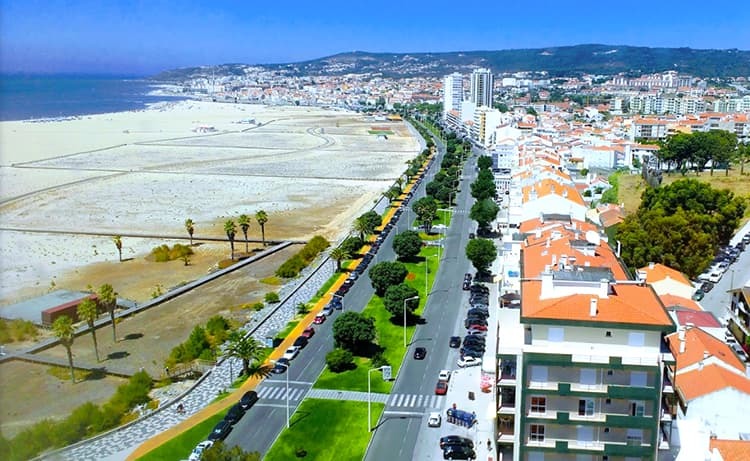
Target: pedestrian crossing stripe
point(415, 400)
point(279, 393)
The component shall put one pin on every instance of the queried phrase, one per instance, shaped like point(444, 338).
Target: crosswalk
point(279, 393)
point(416, 401)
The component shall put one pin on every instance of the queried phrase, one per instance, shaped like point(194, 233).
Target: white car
point(444, 375)
point(195, 455)
point(434, 419)
point(291, 353)
point(469, 362)
point(715, 277)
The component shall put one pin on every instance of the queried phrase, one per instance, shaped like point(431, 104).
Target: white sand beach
point(145, 172)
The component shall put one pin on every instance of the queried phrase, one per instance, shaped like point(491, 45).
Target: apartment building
point(482, 82)
point(585, 379)
point(453, 93)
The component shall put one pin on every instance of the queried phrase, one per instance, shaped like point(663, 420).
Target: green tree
point(484, 162)
point(245, 348)
point(219, 451)
point(117, 240)
point(230, 228)
point(426, 210)
point(394, 299)
point(338, 254)
point(741, 156)
point(361, 227)
point(88, 311)
point(190, 228)
point(262, 218)
point(62, 327)
point(373, 220)
point(481, 253)
point(244, 223)
point(484, 186)
point(108, 299)
point(352, 245)
point(392, 194)
point(484, 212)
point(385, 274)
point(339, 360)
point(353, 331)
point(407, 244)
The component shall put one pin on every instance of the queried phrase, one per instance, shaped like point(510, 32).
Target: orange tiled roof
point(660, 272)
point(675, 301)
point(731, 450)
point(632, 304)
point(549, 187)
point(699, 382)
point(537, 255)
point(697, 344)
point(530, 225)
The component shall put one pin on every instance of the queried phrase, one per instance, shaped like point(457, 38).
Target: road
point(263, 423)
point(397, 436)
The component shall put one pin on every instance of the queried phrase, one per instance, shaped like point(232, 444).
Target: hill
point(557, 61)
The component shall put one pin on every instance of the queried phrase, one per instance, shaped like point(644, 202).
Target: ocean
point(49, 96)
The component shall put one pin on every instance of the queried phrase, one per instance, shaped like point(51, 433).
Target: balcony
point(595, 388)
point(585, 445)
point(667, 388)
point(539, 415)
point(507, 378)
point(596, 417)
point(542, 385)
point(507, 407)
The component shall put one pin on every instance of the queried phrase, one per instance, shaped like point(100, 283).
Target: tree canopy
point(426, 210)
point(385, 274)
point(484, 186)
point(696, 150)
point(481, 253)
point(484, 212)
point(353, 331)
point(484, 162)
point(407, 244)
point(395, 296)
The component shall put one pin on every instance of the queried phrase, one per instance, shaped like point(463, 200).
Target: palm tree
point(88, 311)
point(244, 222)
point(118, 243)
point(245, 348)
point(108, 299)
point(262, 218)
point(63, 329)
point(231, 229)
point(362, 227)
point(190, 228)
point(338, 254)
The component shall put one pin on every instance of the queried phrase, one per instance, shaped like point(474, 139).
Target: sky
point(148, 36)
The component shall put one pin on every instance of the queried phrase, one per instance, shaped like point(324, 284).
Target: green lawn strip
point(181, 446)
point(287, 329)
point(390, 335)
point(326, 430)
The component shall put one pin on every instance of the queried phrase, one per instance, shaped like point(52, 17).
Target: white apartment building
point(453, 93)
point(482, 82)
point(486, 120)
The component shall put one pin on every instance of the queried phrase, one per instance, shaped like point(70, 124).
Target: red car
point(320, 318)
point(441, 388)
point(477, 327)
point(308, 332)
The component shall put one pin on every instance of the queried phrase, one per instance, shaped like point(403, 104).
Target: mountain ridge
point(557, 61)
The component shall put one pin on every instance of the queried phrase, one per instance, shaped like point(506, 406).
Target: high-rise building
point(453, 93)
point(482, 81)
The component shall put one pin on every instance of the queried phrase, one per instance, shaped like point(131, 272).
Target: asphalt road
point(396, 436)
point(717, 300)
point(263, 423)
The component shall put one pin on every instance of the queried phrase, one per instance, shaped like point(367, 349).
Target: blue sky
point(147, 36)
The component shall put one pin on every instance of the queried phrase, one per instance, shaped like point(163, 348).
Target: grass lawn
point(390, 336)
point(326, 430)
point(287, 329)
point(181, 446)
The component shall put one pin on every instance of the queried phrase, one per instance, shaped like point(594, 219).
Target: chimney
point(603, 288)
point(547, 245)
point(651, 266)
point(593, 307)
point(682, 345)
point(538, 233)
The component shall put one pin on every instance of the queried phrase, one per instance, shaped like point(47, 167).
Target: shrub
point(352, 245)
point(385, 274)
point(294, 265)
point(272, 297)
point(163, 253)
point(394, 298)
point(258, 306)
point(339, 360)
point(379, 360)
point(17, 330)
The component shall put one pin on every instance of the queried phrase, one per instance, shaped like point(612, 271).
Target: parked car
point(706, 287)
point(466, 285)
point(455, 342)
point(248, 399)
point(469, 362)
point(291, 353)
point(715, 276)
point(197, 452)
point(300, 342)
point(478, 311)
point(420, 353)
point(472, 352)
point(234, 414)
point(281, 365)
point(434, 419)
point(441, 388)
point(308, 332)
point(479, 288)
point(458, 452)
point(220, 431)
point(444, 375)
point(327, 311)
point(456, 440)
point(320, 318)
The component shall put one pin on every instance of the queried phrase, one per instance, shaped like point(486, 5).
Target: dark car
point(456, 440)
point(706, 287)
point(476, 326)
point(458, 452)
point(478, 311)
point(467, 276)
point(300, 342)
point(476, 353)
point(698, 295)
point(234, 414)
point(475, 320)
point(466, 285)
point(474, 339)
point(281, 365)
point(248, 400)
point(455, 342)
point(471, 235)
point(220, 431)
point(420, 353)
point(336, 303)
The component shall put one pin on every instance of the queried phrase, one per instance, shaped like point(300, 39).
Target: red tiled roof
point(731, 450)
point(712, 378)
point(660, 272)
point(698, 343)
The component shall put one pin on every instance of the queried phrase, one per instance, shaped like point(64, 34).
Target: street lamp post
point(369, 399)
point(286, 366)
point(405, 300)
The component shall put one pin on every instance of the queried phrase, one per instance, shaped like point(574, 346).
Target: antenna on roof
point(593, 237)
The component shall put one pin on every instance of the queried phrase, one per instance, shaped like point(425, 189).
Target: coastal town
point(566, 296)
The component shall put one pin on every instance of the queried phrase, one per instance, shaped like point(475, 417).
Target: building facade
point(482, 82)
point(453, 93)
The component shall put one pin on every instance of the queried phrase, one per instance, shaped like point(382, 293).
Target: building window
point(638, 378)
point(537, 433)
point(610, 372)
point(637, 408)
point(606, 430)
point(586, 407)
point(608, 334)
point(635, 437)
point(539, 404)
point(608, 401)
